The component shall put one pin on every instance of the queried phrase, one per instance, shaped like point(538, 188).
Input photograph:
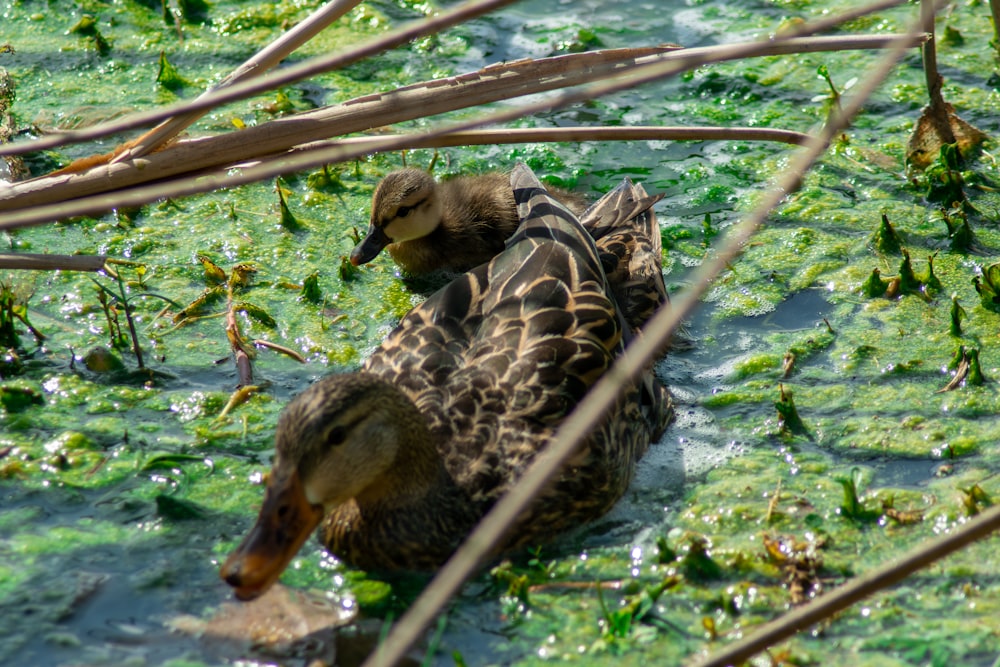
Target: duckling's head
point(337, 442)
point(405, 207)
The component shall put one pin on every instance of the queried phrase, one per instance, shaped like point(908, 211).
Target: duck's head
point(405, 207)
point(336, 442)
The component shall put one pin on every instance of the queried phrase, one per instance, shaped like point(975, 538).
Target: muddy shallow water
point(122, 492)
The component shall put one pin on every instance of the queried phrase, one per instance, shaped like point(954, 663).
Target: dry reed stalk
point(284, 77)
point(859, 588)
point(491, 84)
point(261, 62)
point(602, 396)
point(575, 134)
point(41, 262)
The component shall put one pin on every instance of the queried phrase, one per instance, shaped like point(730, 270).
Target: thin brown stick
point(108, 179)
point(320, 65)
point(41, 262)
point(29, 195)
point(491, 84)
point(603, 395)
point(284, 77)
point(859, 588)
point(261, 62)
point(938, 109)
point(538, 135)
point(995, 13)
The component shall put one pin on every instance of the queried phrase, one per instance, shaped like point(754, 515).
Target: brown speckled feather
point(397, 462)
point(631, 252)
point(496, 359)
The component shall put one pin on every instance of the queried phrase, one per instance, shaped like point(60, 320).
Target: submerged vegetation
point(136, 416)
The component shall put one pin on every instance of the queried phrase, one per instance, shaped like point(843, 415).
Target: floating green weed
point(988, 287)
point(956, 316)
point(87, 27)
point(885, 239)
point(853, 507)
point(788, 416)
point(168, 76)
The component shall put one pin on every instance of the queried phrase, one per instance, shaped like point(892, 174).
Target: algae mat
point(122, 490)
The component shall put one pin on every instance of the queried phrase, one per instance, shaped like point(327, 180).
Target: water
point(94, 570)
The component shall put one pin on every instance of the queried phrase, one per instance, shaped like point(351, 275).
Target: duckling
point(397, 462)
point(456, 224)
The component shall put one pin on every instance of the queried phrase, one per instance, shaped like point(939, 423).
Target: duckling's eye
point(336, 436)
point(404, 211)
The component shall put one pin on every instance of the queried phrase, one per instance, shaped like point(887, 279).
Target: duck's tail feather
point(624, 227)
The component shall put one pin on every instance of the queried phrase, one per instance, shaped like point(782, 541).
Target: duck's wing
point(548, 309)
point(512, 345)
point(624, 227)
point(500, 356)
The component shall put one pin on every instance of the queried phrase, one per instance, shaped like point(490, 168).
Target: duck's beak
point(286, 519)
point(370, 246)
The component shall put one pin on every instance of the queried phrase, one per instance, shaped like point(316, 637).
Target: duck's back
point(500, 356)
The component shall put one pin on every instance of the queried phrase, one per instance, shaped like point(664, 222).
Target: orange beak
point(286, 519)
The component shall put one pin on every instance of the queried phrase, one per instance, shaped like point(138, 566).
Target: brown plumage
point(400, 460)
point(456, 224)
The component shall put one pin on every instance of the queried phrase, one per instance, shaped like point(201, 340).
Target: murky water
point(119, 499)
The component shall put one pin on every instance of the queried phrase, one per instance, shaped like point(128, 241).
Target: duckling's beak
point(370, 246)
point(286, 519)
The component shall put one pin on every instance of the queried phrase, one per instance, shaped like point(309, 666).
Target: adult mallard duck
point(456, 224)
point(400, 460)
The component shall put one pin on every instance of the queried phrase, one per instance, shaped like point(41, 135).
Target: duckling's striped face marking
point(405, 207)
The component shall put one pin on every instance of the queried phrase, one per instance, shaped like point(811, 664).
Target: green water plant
point(288, 219)
point(853, 507)
point(885, 239)
point(695, 560)
point(789, 421)
point(975, 500)
point(988, 287)
point(634, 619)
point(960, 234)
point(233, 287)
point(87, 27)
point(968, 371)
point(168, 77)
point(945, 182)
point(957, 315)
point(14, 299)
point(875, 286)
point(115, 299)
point(908, 281)
point(310, 288)
point(191, 11)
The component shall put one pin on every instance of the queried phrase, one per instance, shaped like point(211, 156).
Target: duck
point(394, 464)
point(454, 225)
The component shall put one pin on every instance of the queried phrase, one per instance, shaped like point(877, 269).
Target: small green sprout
point(989, 288)
point(957, 315)
point(885, 239)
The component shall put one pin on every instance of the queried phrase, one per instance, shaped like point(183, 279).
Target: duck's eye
point(404, 211)
point(336, 436)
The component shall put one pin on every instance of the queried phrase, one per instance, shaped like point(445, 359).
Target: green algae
point(132, 448)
